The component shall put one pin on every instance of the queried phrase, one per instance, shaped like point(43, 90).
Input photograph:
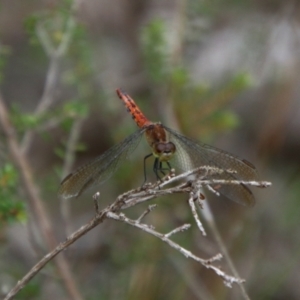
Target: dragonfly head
point(163, 150)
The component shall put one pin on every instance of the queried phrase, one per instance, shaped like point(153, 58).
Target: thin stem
point(221, 244)
point(35, 201)
point(126, 201)
point(52, 76)
point(68, 162)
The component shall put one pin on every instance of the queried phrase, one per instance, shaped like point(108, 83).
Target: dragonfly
point(169, 149)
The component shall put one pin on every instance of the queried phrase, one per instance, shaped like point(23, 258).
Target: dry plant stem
point(52, 76)
point(62, 246)
point(96, 204)
point(207, 263)
point(124, 201)
point(190, 278)
point(154, 190)
point(147, 195)
point(203, 170)
point(195, 215)
point(223, 248)
point(178, 229)
point(146, 212)
point(180, 23)
point(34, 200)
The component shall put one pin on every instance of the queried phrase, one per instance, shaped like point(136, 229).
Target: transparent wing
point(191, 154)
point(99, 169)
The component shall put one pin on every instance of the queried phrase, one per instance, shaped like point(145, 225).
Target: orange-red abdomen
point(134, 110)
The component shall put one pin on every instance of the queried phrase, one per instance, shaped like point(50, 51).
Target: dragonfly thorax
point(163, 150)
point(157, 138)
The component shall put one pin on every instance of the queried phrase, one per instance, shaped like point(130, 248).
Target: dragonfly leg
point(169, 166)
point(161, 169)
point(145, 173)
point(157, 168)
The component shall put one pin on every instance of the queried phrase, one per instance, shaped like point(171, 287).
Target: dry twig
point(126, 201)
point(18, 152)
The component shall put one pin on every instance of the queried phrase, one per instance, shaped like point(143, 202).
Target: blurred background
point(223, 72)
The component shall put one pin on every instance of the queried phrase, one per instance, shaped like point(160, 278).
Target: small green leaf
point(242, 81)
point(8, 176)
point(81, 147)
point(11, 210)
point(179, 77)
point(59, 152)
point(225, 120)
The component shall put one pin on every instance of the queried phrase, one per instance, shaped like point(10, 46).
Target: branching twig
point(17, 151)
point(207, 263)
point(178, 229)
point(62, 246)
point(126, 201)
point(34, 199)
point(195, 215)
point(55, 55)
point(146, 212)
point(20, 150)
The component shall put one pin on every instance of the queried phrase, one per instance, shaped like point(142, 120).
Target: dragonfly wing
point(191, 154)
point(99, 169)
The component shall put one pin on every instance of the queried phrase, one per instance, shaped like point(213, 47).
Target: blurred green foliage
point(53, 21)
point(4, 53)
point(77, 74)
point(31, 290)
point(77, 71)
point(154, 49)
point(200, 109)
point(65, 116)
point(24, 121)
point(11, 208)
